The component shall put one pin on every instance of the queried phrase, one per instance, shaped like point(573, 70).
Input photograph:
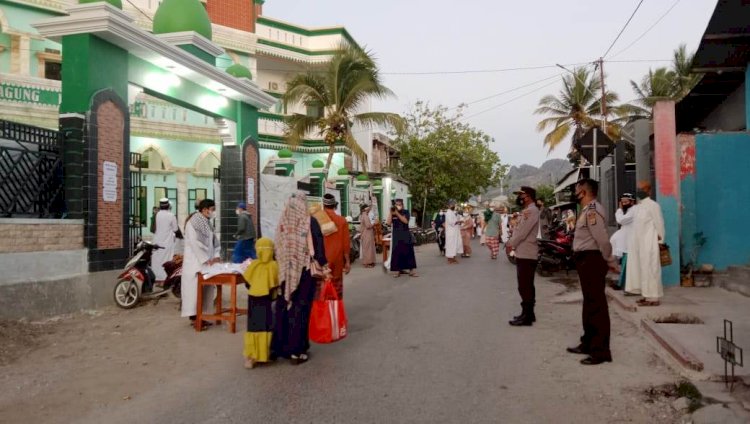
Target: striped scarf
point(292, 252)
point(203, 230)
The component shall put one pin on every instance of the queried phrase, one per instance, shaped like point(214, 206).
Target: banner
point(274, 192)
point(358, 196)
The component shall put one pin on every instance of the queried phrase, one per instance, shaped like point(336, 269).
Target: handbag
point(328, 322)
point(316, 269)
point(664, 256)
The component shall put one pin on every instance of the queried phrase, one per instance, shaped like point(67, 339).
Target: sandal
point(645, 302)
point(396, 275)
point(249, 363)
point(297, 360)
point(413, 274)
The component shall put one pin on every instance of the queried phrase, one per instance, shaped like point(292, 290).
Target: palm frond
point(371, 120)
point(298, 126)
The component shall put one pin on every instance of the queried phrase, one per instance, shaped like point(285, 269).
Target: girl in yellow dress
point(263, 278)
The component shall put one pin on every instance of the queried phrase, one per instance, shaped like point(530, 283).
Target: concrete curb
point(672, 346)
point(612, 295)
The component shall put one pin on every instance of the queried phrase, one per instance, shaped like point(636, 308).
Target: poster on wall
point(109, 181)
point(357, 196)
point(251, 191)
point(337, 195)
point(274, 192)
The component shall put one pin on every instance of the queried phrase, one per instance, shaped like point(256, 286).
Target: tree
point(338, 93)
point(443, 158)
point(672, 83)
point(546, 192)
point(576, 108)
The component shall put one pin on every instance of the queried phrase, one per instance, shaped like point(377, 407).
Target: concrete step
point(740, 272)
point(730, 282)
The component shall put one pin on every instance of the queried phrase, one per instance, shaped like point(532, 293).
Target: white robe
point(504, 236)
point(196, 254)
point(166, 225)
point(453, 244)
point(643, 273)
point(620, 240)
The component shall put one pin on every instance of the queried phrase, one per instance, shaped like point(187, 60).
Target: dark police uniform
point(524, 243)
point(593, 252)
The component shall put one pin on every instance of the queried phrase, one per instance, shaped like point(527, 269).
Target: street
point(431, 349)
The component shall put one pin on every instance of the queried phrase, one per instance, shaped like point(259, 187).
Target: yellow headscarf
point(263, 273)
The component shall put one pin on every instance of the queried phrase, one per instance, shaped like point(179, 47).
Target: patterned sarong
point(493, 243)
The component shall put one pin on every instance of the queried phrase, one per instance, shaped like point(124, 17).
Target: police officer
point(593, 257)
point(524, 242)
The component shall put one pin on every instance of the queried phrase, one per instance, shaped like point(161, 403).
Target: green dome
point(318, 164)
point(285, 154)
point(115, 3)
point(362, 177)
point(182, 15)
point(343, 171)
point(240, 71)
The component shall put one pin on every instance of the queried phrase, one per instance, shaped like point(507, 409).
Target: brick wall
point(237, 14)
point(27, 235)
point(109, 214)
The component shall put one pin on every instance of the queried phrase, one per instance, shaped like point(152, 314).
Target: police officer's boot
point(526, 319)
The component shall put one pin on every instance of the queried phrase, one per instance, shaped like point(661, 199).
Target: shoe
point(521, 321)
point(595, 361)
point(579, 350)
point(533, 317)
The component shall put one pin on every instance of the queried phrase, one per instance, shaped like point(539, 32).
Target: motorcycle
point(556, 253)
point(137, 281)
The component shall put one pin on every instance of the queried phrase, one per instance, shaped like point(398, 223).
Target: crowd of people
point(282, 286)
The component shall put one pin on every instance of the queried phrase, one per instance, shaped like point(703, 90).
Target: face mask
point(212, 215)
point(626, 207)
point(641, 194)
point(519, 200)
point(237, 211)
point(442, 213)
point(575, 198)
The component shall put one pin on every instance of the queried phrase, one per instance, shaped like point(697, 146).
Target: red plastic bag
point(328, 317)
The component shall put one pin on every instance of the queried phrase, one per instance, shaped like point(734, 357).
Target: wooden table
point(220, 313)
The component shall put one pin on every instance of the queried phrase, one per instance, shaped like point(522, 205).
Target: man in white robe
point(620, 240)
point(165, 235)
point(643, 274)
point(201, 248)
point(453, 243)
point(504, 234)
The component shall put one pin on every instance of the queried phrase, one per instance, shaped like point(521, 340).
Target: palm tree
point(576, 108)
point(348, 81)
point(672, 83)
point(682, 63)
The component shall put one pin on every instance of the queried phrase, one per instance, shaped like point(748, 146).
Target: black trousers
point(525, 271)
point(592, 270)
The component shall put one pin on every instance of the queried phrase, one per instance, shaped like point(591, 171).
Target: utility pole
point(603, 105)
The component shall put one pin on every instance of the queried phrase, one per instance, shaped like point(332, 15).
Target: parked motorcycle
point(556, 253)
point(136, 283)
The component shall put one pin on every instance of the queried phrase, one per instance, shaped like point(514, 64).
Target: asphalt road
point(434, 349)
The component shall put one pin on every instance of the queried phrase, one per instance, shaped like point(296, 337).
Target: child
point(263, 278)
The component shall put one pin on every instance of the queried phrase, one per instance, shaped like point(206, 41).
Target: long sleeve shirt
point(524, 239)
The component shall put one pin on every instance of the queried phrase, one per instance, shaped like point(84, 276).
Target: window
point(169, 193)
point(195, 195)
point(53, 70)
point(314, 111)
point(152, 160)
point(208, 164)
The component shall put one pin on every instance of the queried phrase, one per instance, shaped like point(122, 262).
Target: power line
point(510, 101)
point(139, 9)
point(664, 15)
point(479, 71)
point(623, 28)
point(506, 91)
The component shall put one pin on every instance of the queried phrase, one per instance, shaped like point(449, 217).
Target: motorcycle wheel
point(126, 294)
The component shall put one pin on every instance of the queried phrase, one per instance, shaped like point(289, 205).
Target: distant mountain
point(526, 175)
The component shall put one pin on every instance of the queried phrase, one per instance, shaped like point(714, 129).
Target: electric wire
point(510, 100)
point(139, 9)
point(664, 15)
point(623, 28)
point(504, 92)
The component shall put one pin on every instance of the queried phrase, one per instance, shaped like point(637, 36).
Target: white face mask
point(442, 213)
point(212, 215)
point(237, 211)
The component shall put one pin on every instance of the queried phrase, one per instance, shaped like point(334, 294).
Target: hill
point(526, 175)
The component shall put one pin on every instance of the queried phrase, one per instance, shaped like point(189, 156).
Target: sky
point(417, 36)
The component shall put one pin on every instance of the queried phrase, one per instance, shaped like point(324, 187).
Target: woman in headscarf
point(262, 277)
point(298, 238)
point(467, 230)
point(367, 238)
point(402, 246)
point(201, 248)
